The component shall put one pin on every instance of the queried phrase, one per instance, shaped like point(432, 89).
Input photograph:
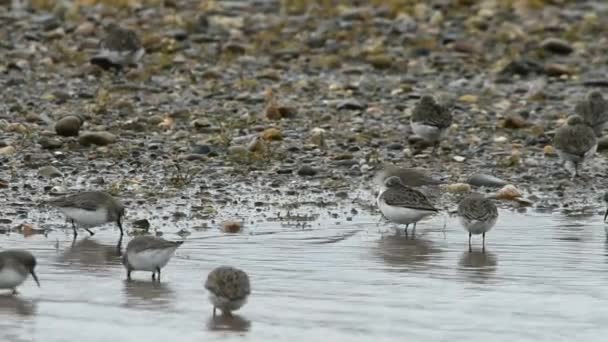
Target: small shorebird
point(15, 266)
point(430, 120)
point(478, 214)
point(90, 209)
point(403, 205)
point(119, 48)
point(594, 111)
point(228, 289)
point(148, 253)
point(574, 143)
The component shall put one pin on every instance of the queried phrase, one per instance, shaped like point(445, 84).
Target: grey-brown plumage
point(574, 142)
point(90, 209)
point(412, 177)
point(594, 111)
point(120, 47)
point(430, 120)
point(478, 215)
point(228, 288)
point(403, 205)
point(148, 253)
point(15, 266)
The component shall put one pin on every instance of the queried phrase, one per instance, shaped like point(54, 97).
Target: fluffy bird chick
point(119, 48)
point(430, 120)
point(228, 289)
point(478, 214)
point(574, 142)
point(594, 111)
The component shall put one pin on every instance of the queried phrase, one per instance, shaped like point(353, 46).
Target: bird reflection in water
point(229, 323)
point(148, 294)
point(478, 266)
point(405, 254)
point(88, 252)
point(14, 305)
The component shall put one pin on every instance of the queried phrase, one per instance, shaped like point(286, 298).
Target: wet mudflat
point(543, 277)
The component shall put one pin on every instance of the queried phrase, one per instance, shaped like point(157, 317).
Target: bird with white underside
point(575, 142)
point(403, 205)
point(478, 214)
point(15, 266)
point(148, 253)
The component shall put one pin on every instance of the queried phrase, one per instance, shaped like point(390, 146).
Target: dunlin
point(120, 47)
point(478, 214)
point(430, 120)
point(574, 142)
point(90, 209)
point(594, 111)
point(15, 266)
point(228, 289)
point(403, 205)
point(148, 253)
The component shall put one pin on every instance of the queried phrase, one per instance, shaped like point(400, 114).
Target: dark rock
point(480, 179)
point(141, 224)
point(395, 146)
point(201, 149)
point(97, 138)
point(49, 143)
point(350, 104)
point(68, 126)
point(306, 170)
point(522, 67)
point(556, 45)
point(49, 172)
point(285, 171)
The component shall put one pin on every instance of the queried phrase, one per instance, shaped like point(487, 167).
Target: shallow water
point(543, 277)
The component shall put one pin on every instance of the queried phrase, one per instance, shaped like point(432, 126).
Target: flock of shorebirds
point(398, 200)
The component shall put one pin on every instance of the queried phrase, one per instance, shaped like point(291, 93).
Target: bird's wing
point(407, 198)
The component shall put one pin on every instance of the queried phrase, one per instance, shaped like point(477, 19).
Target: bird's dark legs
point(154, 275)
point(119, 247)
point(158, 272)
point(214, 310)
point(15, 292)
point(406, 227)
point(414, 231)
point(129, 274)
point(120, 227)
point(470, 249)
point(90, 232)
point(483, 248)
point(74, 228)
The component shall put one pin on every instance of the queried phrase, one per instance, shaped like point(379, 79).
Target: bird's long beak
point(35, 277)
point(606, 215)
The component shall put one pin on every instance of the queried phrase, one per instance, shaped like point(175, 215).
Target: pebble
point(201, 149)
point(481, 179)
point(49, 143)
point(549, 150)
point(458, 187)
point(97, 138)
point(49, 171)
point(272, 134)
point(7, 151)
point(459, 159)
point(306, 170)
point(68, 126)
point(557, 46)
point(350, 104)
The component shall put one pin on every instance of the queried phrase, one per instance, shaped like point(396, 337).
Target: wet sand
point(543, 278)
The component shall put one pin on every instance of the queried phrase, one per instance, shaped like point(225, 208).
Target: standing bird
point(90, 209)
point(148, 253)
point(119, 48)
point(403, 205)
point(229, 288)
point(594, 111)
point(15, 265)
point(478, 214)
point(430, 120)
point(574, 142)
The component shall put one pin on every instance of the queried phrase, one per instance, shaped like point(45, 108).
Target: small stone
point(49, 143)
point(272, 134)
point(468, 98)
point(380, 61)
point(395, 146)
point(556, 45)
point(508, 192)
point(85, 29)
point(459, 159)
point(7, 151)
point(238, 150)
point(481, 179)
point(201, 149)
point(557, 70)
point(231, 226)
point(68, 126)
point(514, 121)
point(350, 104)
point(458, 188)
point(549, 150)
point(501, 139)
point(97, 138)
point(49, 171)
point(306, 170)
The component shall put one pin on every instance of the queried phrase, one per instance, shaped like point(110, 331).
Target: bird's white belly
point(90, 218)
point(150, 259)
point(427, 132)
point(226, 304)
point(9, 278)
point(402, 215)
point(123, 57)
point(477, 227)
